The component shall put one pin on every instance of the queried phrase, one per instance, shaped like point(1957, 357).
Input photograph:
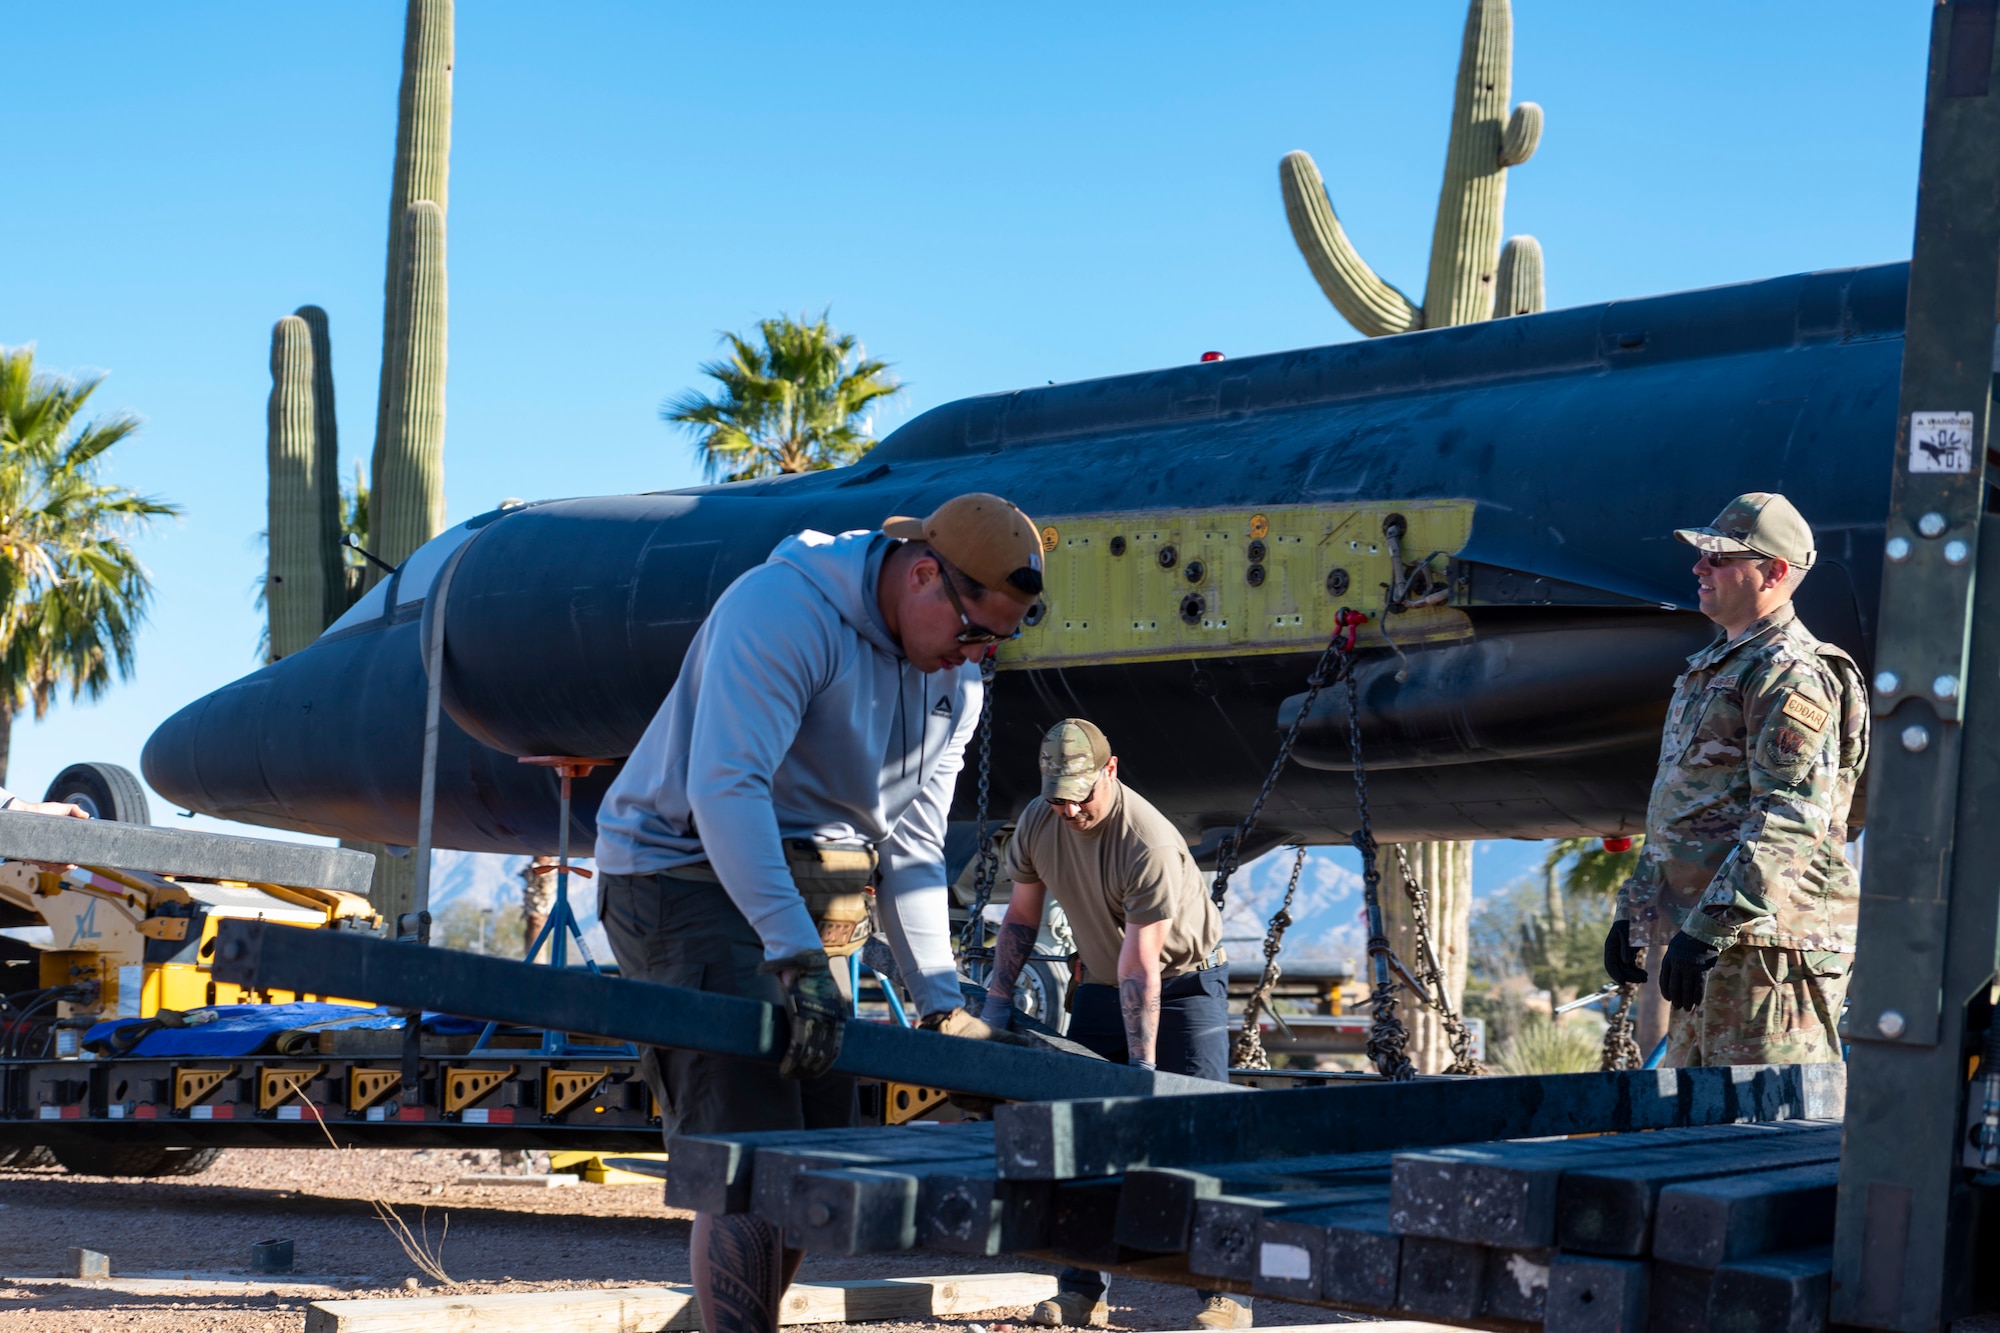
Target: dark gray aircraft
point(1499, 498)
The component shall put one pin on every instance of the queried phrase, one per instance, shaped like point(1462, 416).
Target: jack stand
point(561, 927)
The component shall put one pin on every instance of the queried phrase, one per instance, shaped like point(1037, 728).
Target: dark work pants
point(1193, 1040)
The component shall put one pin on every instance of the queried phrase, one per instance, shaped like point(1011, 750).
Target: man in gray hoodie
point(807, 751)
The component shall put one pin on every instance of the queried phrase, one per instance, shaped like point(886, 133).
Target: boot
point(1224, 1312)
point(1071, 1309)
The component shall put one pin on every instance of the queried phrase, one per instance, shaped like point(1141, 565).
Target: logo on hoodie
point(943, 708)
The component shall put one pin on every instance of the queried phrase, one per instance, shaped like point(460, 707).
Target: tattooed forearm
point(1139, 997)
point(1010, 953)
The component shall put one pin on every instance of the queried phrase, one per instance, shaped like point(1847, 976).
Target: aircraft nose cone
point(205, 756)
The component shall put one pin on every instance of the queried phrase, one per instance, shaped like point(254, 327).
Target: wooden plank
point(1609, 1210)
point(624, 1309)
point(1156, 1208)
point(979, 1214)
point(1710, 1222)
point(1505, 1193)
point(1228, 1229)
point(1773, 1293)
point(1591, 1295)
point(1070, 1140)
point(186, 853)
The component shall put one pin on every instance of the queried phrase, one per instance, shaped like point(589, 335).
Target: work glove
point(957, 1021)
point(1621, 956)
point(1684, 974)
point(815, 1011)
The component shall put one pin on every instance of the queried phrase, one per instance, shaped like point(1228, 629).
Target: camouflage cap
point(1760, 523)
point(1074, 752)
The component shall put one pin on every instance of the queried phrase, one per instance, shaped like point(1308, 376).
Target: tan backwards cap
point(1074, 752)
point(987, 538)
point(1760, 523)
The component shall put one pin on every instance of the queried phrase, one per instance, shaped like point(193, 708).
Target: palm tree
point(72, 593)
point(796, 403)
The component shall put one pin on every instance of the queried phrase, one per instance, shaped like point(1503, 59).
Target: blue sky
point(990, 198)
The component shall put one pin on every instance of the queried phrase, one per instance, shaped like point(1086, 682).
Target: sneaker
point(1071, 1309)
point(1224, 1312)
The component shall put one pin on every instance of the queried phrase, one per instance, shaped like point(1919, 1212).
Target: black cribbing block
point(771, 1178)
point(1609, 1210)
point(980, 1215)
point(859, 1210)
point(1228, 1228)
point(1710, 1222)
point(1082, 1229)
point(1772, 1293)
point(1677, 1297)
point(1359, 1258)
point(1588, 1295)
point(1445, 1278)
point(1505, 1193)
point(1156, 1209)
point(1517, 1285)
point(1291, 1250)
point(712, 1173)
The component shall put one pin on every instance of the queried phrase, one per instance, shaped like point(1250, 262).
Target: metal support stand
point(561, 929)
point(1907, 1226)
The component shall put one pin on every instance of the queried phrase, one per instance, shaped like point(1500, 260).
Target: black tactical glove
point(813, 1004)
point(1621, 956)
point(1684, 974)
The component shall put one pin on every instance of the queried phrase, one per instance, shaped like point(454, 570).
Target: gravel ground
point(497, 1239)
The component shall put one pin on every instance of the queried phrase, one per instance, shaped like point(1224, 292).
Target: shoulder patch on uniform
point(1804, 710)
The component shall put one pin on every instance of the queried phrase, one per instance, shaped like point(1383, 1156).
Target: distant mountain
point(487, 880)
point(1327, 914)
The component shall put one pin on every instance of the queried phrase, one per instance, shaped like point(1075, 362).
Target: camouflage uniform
point(1765, 743)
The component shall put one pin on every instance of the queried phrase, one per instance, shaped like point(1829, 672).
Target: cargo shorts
point(686, 932)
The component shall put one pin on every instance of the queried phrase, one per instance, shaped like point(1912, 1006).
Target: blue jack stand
point(561, 927)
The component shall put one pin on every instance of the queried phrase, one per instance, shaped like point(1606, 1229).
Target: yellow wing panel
point(1190, 583)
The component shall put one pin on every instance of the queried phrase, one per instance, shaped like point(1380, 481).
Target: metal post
point(1930, 914)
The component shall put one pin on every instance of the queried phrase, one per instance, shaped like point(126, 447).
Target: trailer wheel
point(25, 1159)
point(128, 1159)
point(105, 791)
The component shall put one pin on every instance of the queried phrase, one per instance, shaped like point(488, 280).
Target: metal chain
point(1621, 1048)
point(1332, 662)
point(1247, 1052)
point(1434, 991)
point(987, 866)
point(1388, 1040)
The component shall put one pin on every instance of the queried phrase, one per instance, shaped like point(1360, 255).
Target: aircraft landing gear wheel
point(105, 791)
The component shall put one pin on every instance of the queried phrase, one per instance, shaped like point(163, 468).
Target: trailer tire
point(130, 1159)
point(26, 1159)
point(105, 791)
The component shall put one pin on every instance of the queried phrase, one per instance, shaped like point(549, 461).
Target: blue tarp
point(244, 1029)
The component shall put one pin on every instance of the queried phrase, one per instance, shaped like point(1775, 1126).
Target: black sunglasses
point(973, 632)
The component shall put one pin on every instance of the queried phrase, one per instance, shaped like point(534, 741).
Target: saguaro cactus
point(406, 503)
point(1465, 243)
point(1518, 286)
point(423, 162)
point(294, 589)
point(326, 464)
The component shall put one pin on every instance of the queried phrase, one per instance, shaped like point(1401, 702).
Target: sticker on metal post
point(1940, 441)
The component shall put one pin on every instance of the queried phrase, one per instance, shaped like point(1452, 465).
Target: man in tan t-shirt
point(1142, 917)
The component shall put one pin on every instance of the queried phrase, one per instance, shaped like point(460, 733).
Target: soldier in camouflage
point(1743, 876)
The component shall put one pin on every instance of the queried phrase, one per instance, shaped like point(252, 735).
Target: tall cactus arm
point(293, 591)
point(1523, 133)
point(1363, 299)
point(1518, 288)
